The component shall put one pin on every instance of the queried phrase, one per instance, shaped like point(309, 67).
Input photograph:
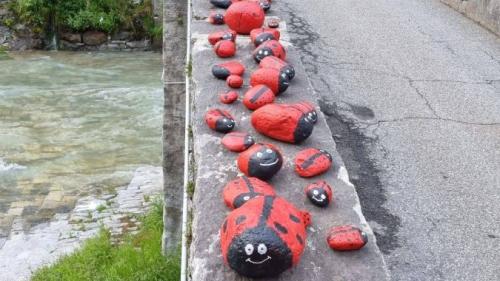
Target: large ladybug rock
point(238, 191)
point(224, 4)
point(278, 82)
point(264, 237)
point(269, 48)
point(319, 193)
point(260, 160)
point(225, 48)
point(219, 120)
point(237, 141)
point(215, 37)
point(346, 238)
point(228, 97)
point(223, 70)
point(278, 64)
point(216, 18)
point(244, 16)
point(285, 122)
point(260, 35)
point(258, 96)
point(312, 162)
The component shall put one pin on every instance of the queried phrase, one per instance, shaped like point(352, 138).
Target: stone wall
point(485, 12)
point(100, 41)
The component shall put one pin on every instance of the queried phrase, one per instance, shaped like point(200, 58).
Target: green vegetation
point(100, 208)
point(138, 258)
point(82, 15)
point(3, 53)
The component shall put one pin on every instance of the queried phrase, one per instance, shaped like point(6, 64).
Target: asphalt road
point(412, 91)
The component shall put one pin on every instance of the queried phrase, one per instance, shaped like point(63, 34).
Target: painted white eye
point(249, 249)
point(246, 198)
point(269, 151)
point(315, 192)
point(323, 196)
point(262, 249)
point(266, 53)
point(259, 154)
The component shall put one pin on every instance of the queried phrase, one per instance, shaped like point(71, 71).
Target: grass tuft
point(138, 258)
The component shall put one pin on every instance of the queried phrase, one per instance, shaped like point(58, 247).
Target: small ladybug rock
point(244, 16)
point(273, 23)
point(264, 237)
point(223, 70)
point(237, 192)
point(228, 97)
point(215, 37)
point(276, 81)
point(216, 18)
point(225, 48)
point(269, 48)
point(219, 120)
point(264, 4)
point(319, 193)
point(312, 162)
point(258, 96)
point(234, 81)
point(278, 64)
point(237, 141)
point(285, 122)
point(260, 160)
point(260, 35)
point(346, 238)
point(224, 4)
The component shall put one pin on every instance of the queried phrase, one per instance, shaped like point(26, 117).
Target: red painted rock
point(264, 237)
point(260, 160)
point(258, 96)
point(225, 48)
point(278, 64)
point(216, 18)
point(223, 70)
point(260, 35)
point(276, 81)
point(319, 193)
point(346, 238)
point(215, 37)
point(273, 23)
point(228, 97)
point(285, 122)
point(312, 162)
point(269, 48)
point(264, 4)
point(238, 191)
point(244, 16)
point(224, 4)
point(219, 120)
point(237, 141)
point(234, 81)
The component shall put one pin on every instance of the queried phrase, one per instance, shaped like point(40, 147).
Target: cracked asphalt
point(412, 93)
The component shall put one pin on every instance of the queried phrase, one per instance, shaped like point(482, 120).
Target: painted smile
point(258, 262)
point(316, 198)
point(270, 164)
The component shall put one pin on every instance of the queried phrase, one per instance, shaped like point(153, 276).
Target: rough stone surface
point(71, 37)
point(486, 12)
point(94, 38)
point(216, 166)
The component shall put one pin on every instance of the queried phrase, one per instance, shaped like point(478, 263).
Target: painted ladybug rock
point(273, 23)
point(219, 120)
point(258, 96)
point(260, 35)
point(260, 160)
point(278, 82)
point(215, 37)
point(312, 162)
point(290, 123)
point(244, 16)
point(264, 237)
point(234, 81)
point(223, 70)
point(224, 4)
point(264, 4)
point(319, 193)
point(278, 64)
point(346, 238)
point(228, 97)
point(216, 18)
point(238, 191)
point(269, 48)
point(225, 48)
point(237, 141)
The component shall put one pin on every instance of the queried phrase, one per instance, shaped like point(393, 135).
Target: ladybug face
point(215, 37)
point(216, 18)
point(319, 193)
point(261, 160)
point(277, 81)
point(260, 35)
point(269, 48)
point(219, 120)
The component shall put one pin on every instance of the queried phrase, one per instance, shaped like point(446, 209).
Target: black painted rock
point(216, 18)
point(262, 161)
point(220, 120)
point(260, 35)
point(223, 70)
point(319, 193)
point(269, 48)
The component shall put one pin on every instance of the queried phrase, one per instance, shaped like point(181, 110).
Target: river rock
point(94, 38)
point(71, 37)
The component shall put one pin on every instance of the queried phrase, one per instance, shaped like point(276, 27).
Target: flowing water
point(71, 125)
